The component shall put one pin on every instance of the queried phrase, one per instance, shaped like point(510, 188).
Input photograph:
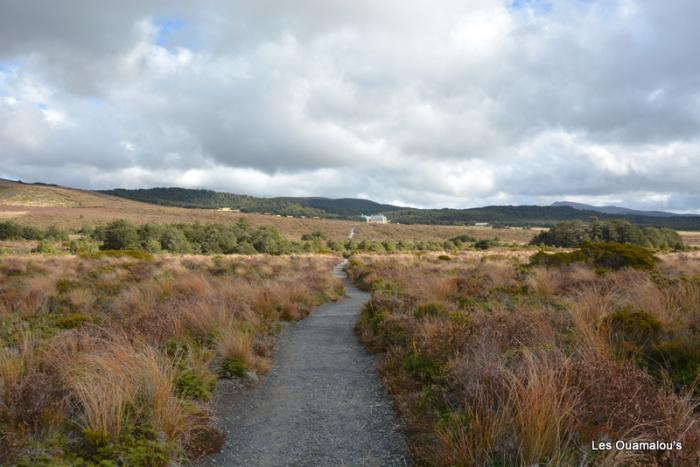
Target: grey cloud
point(402, 101)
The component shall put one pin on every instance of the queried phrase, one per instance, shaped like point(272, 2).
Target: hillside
point(72, 209)
point(522, 216)
point(285, 206)
point(43, 205)
point(43, 195)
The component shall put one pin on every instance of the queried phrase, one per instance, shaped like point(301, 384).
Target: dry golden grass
point(690, 238)
point(235, 343)
point(492, 362)
point(90, 349)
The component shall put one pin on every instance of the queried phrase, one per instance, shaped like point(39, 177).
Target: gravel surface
point(321, 403)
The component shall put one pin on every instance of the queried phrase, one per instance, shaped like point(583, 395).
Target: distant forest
point(517, 216)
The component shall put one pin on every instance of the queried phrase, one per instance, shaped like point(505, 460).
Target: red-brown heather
point(493, 362)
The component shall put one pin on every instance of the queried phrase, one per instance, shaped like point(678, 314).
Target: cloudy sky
point(417, 102)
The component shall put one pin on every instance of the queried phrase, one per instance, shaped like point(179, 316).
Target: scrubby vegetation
point(493, 360)
point(609, 255)
point(10, 230)
point(237, 237)
point(112, 359)
point(576, 233)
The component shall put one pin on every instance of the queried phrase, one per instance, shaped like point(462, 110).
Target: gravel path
point(322, 402)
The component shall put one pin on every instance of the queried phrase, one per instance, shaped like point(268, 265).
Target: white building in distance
point(376, 219)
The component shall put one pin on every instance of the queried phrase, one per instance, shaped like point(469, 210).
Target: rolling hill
point(45, 195)
point(294, 206)
point(57, 204)
point(348, 208)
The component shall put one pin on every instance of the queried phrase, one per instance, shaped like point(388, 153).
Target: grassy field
point(494, 362)
point(113, 360)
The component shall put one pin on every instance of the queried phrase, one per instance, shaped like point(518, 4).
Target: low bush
point(46, 247)
point(679, 359)
point(231, 367)
point(609, 255)
point(632, 332)
point(191, 385)
point(485, 244)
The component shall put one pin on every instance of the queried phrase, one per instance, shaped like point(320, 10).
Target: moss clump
point(231, 367)
point(191, 385)
point(137, 446)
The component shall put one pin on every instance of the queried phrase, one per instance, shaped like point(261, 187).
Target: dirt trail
point(322, 402)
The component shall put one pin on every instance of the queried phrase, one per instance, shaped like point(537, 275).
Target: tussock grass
point(115, 359)
point(495, 362)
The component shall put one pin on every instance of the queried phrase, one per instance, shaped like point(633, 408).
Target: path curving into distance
point(321, 404)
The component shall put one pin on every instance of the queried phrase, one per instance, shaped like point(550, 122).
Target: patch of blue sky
point(166, 27)
point(175, 32)
point(537, 6)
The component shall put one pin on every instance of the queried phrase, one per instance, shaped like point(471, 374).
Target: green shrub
point(679, 358)
point(10, 230)
point(462, 239)
point(612, 255)
point(46, 247)
point(231, 367)
point(485, 244)
point(174, 240)
point(420, 366)
point(374, 317)
point(633, 332)
point(444, 258)
point(559, 259)
point(608, 255)
point(316, 235)
point(120, 235)
point(191, 385)
point(83, 246)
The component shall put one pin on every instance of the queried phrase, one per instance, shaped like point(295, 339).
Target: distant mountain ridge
point(608, 209)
